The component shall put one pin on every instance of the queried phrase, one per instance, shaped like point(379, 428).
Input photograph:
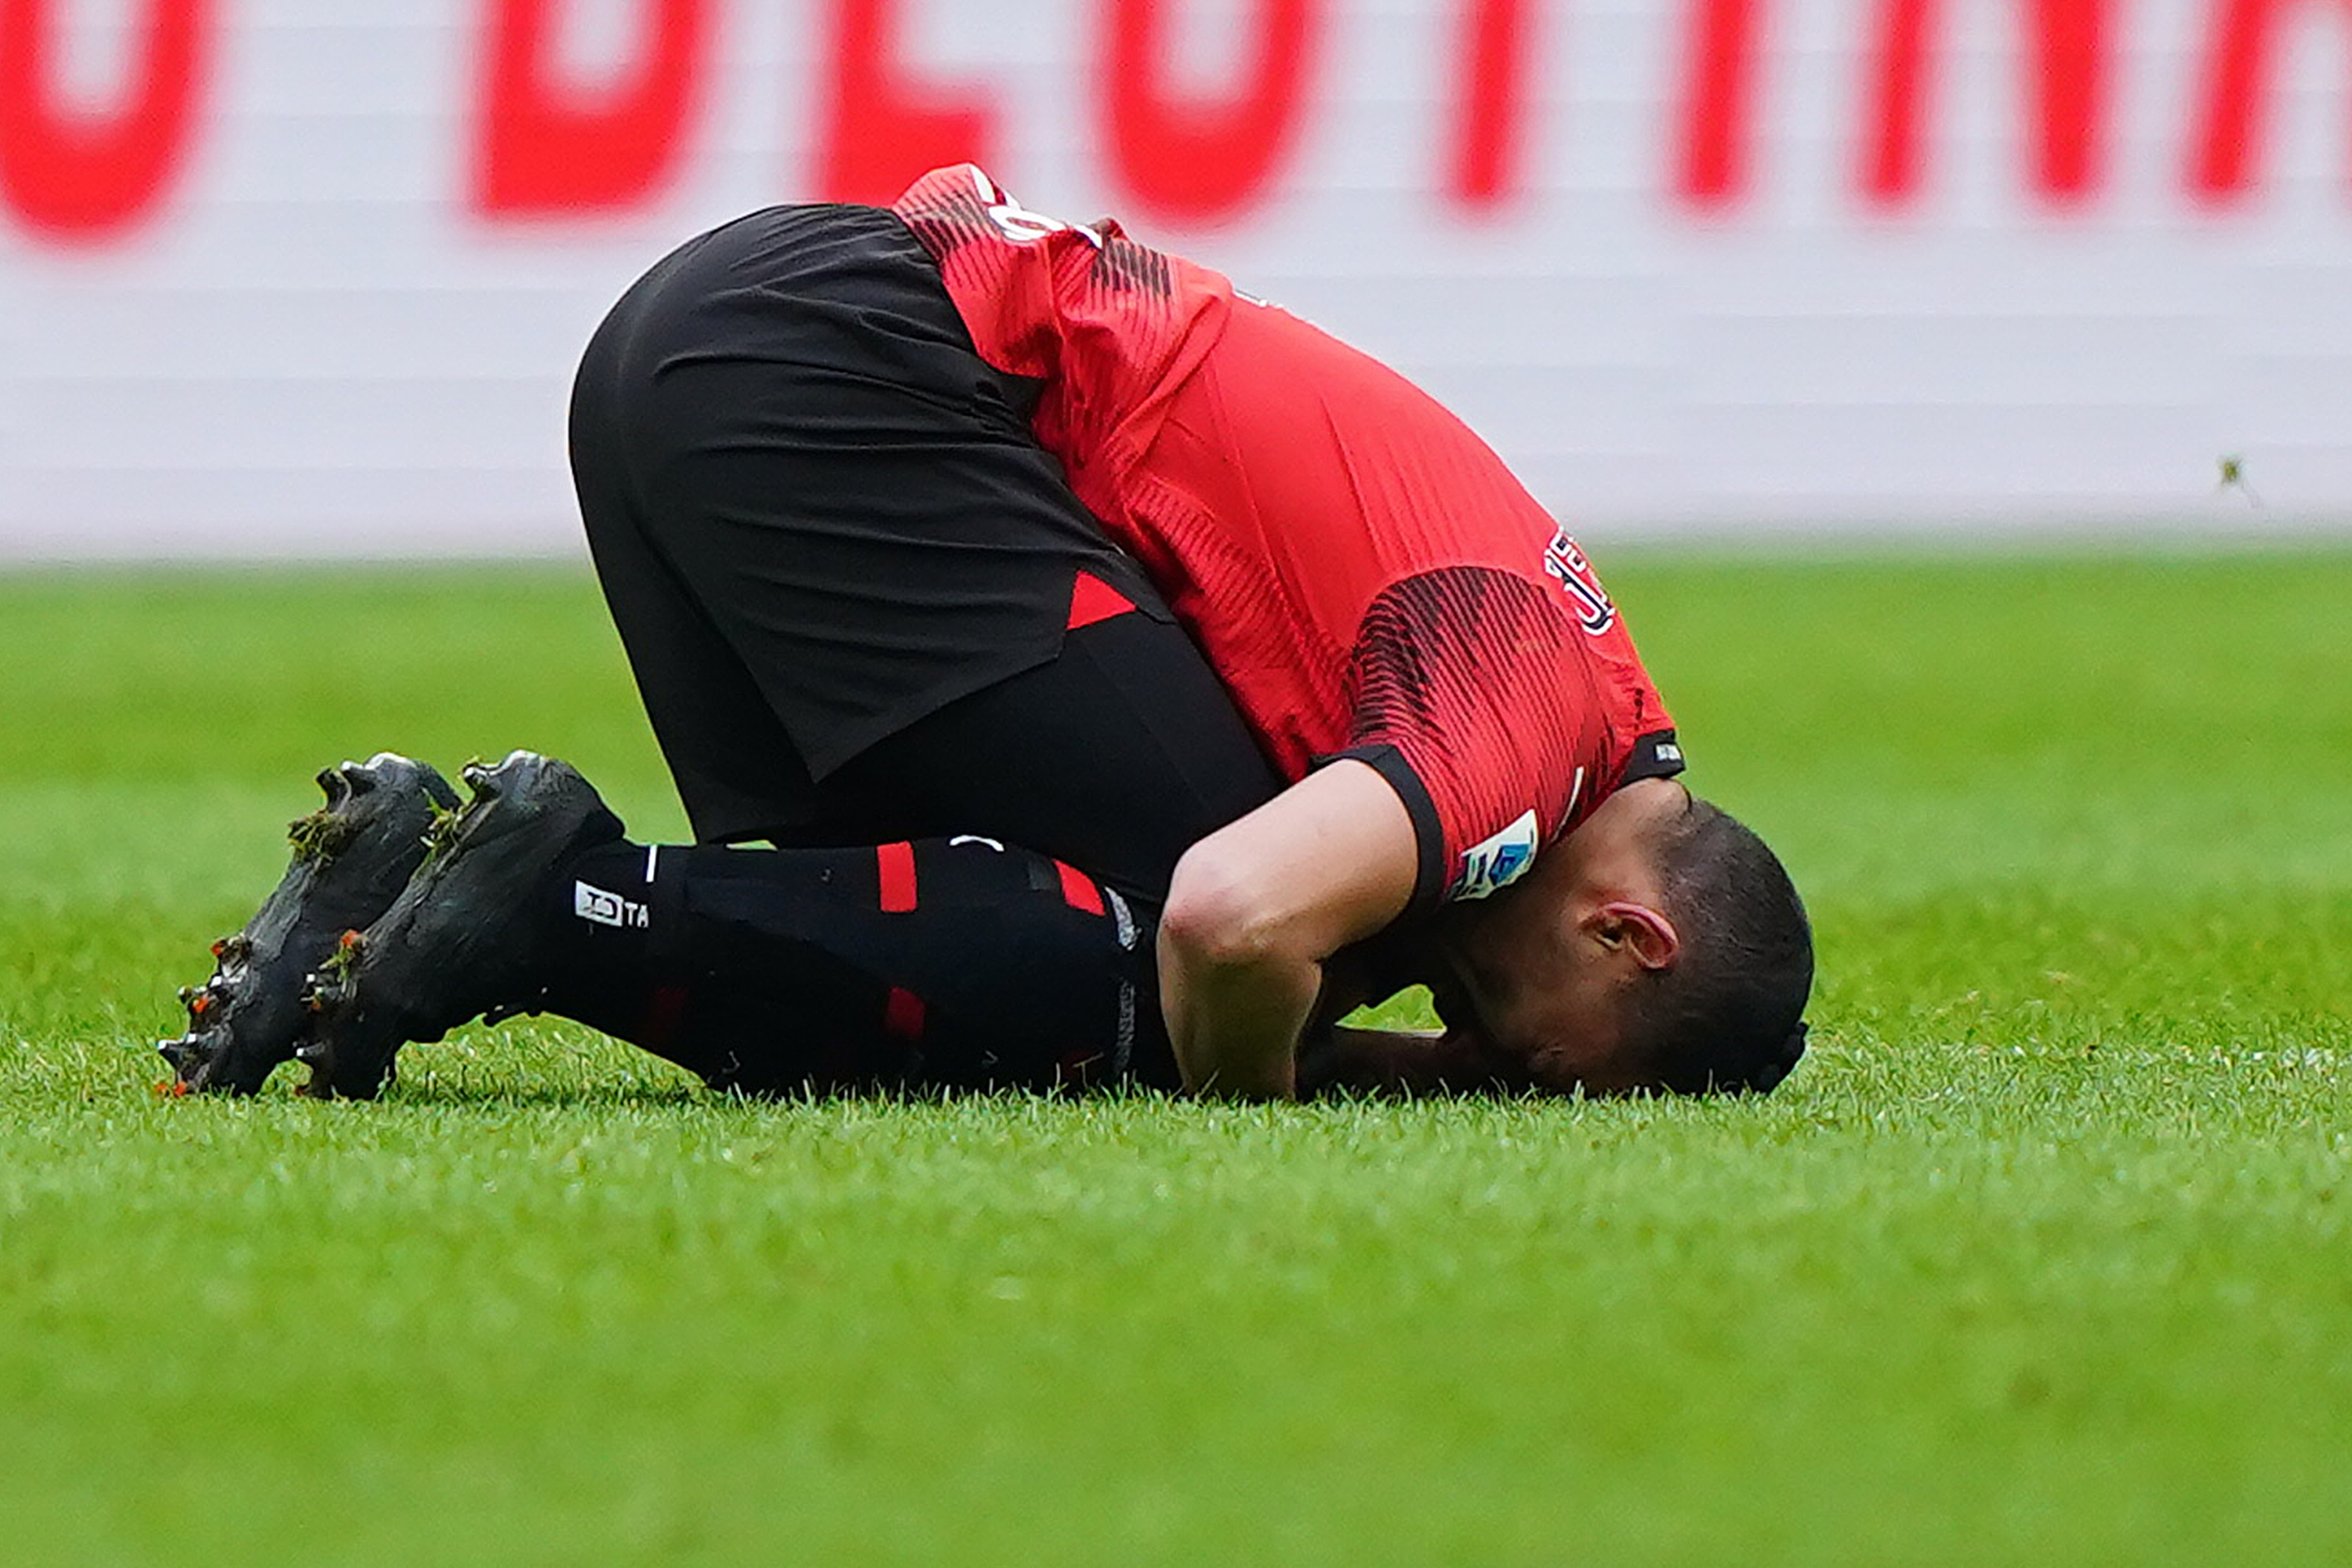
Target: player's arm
point(1404, 1061)
point(1258, 907)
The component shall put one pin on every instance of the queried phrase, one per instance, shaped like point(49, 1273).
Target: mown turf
point(2043, 1255)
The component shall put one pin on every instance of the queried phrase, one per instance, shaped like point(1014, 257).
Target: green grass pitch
point(2044, 1254)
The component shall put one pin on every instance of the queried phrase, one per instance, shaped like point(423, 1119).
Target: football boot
point(351, 857)
point(462, 940)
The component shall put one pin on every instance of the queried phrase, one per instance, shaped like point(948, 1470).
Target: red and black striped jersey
point(1362, 572)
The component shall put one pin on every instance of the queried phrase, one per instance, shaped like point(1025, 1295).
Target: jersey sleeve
point(1475, 696)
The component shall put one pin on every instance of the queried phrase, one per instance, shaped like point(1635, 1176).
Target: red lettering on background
point(1895, 91)
point(1195, 158)
point(2066, 99)
point(2234, 93)
point(883, 130)
point(1712, 170)
point(83, 176)
point(2071, 104)
point(1492, 106)
point(2065, 70)
point(545, 146)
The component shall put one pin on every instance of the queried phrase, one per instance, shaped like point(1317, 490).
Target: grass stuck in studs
point(2039, 1255)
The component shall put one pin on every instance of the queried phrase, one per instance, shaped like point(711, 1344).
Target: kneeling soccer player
point(950, 519)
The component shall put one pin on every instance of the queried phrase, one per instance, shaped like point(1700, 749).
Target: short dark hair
point(1728, 1015)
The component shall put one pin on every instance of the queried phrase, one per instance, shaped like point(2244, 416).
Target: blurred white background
point(310, 276)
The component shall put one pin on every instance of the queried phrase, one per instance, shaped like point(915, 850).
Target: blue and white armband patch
point(1496, 864)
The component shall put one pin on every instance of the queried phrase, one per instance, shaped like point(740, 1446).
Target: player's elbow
point(1219, 915)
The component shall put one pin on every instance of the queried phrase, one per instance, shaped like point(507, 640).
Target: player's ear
point(1642, 934)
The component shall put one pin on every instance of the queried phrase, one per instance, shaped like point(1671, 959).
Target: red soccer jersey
point(1361, 570)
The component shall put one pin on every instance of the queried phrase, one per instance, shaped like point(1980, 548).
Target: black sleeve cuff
point(1656, 755)
point(1429, 877)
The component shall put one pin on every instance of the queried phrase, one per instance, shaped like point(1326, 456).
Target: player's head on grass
point(1660, 946)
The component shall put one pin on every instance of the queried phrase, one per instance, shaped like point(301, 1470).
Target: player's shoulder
point(1439, 646)
point(1481, 574)
point(1469, 647)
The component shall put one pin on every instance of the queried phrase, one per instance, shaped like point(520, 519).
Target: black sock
point(941, 962)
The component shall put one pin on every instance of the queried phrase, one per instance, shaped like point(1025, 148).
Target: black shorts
point(842, 566)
